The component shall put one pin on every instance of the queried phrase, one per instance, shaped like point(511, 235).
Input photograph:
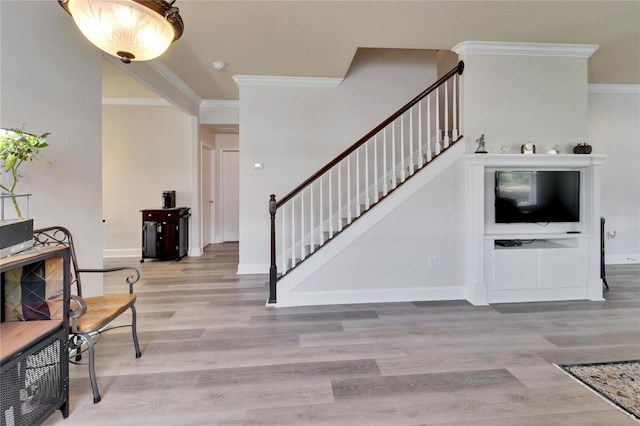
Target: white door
point(208, 212)
point(230, 194)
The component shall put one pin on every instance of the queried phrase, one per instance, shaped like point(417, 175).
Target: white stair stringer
point(290, 287)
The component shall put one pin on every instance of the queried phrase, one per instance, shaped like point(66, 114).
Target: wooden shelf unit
point(34, 355)
point(561, 261)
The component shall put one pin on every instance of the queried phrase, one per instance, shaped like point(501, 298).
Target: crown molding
point(157, 77)
point(166, 72)
point(633, 89)
point(266, 80)
point(136, 101)
point(525, 49)
point(213, 103)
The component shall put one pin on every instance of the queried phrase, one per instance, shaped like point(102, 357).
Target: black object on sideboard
point(165, 233)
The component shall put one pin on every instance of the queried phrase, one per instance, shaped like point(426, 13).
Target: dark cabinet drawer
point(161, 215)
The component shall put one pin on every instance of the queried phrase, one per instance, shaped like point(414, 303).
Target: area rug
point(617, 382)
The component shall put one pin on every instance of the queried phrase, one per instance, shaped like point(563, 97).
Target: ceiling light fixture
point(132, 30)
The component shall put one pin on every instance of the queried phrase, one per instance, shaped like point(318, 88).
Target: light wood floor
point(213, 354)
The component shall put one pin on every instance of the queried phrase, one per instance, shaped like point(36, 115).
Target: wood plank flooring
point(213, 354)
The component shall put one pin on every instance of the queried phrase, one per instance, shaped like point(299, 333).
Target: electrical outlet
point(432, 261)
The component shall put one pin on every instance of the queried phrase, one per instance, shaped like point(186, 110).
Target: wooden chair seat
point(101, 310)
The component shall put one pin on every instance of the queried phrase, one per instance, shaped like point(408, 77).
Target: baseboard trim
point(252, 268)
point(390, 295)
point(621, 259)
point(195, 252)
point(121, 253)
point(192, 252)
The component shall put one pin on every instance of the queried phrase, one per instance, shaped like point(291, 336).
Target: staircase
point(321, 208)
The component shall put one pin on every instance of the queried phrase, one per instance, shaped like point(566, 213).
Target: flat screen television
point(537, 196)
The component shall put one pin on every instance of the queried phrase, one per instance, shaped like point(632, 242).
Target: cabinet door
point(149, 239)
point(561, 268)
point(183, 244)
point(167, 240)
point(516, 269)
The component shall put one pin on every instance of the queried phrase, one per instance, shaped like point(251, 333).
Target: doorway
point(230, 196)
point(208, 195)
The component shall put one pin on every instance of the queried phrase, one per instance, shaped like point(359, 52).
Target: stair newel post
point(273, 270)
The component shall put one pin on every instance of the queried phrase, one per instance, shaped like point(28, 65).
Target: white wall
point(50, 81)
point(517, 94)
point(390, 261)
point(294, 131)
point(219, 112)
point(230, 141)
point(146, 150)
point(614, 130)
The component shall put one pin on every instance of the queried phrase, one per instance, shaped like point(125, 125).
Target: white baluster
point(384, 162)
point(420, 157)
point(402, 167)
point(339, 197)
point(376, 195)
point(358, 182)
point(303, 254)
point(454, 132)
point(428, 128)
point(411, 163)
point(393, 155)
point(349, 189)
point(284, 240)
point(321, 204)
point(446, 115)
point(311, 230)
point(293, 232)
point(366, 173)
point(459, 79)
point(438, 121)
point(330, 204)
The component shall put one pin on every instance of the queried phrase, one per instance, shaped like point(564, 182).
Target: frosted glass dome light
point(132, 30)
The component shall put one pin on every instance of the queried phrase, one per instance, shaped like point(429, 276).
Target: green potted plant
point(16, 147)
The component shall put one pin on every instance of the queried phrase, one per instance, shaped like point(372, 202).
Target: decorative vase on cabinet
point(582, 148)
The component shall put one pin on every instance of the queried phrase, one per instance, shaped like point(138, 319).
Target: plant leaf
point(8, 163)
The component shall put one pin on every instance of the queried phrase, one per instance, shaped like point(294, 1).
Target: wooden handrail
point(457, 70)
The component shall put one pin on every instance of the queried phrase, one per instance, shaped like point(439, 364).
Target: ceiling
point(320, 38)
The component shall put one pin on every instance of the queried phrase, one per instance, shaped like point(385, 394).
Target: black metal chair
point(602, 270)
point(90, 316)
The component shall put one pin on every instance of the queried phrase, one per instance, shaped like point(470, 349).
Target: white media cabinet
point(556, 261)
